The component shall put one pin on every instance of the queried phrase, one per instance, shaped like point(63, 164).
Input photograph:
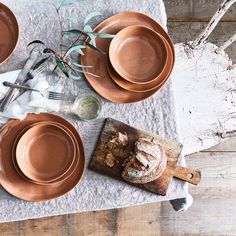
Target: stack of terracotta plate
point(41, 157)
point(137, 61)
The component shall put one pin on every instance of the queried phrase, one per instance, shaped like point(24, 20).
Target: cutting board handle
point(187, 174)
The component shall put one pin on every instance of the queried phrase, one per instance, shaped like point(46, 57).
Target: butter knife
point(13, 93)
point(24, 87)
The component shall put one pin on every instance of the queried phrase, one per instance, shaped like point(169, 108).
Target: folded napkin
point(29, 101)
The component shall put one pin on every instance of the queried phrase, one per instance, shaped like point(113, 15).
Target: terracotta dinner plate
point(61, 178)
point(9, 32)
point(45, 152)
point(143, 87)
point(138, 54)
point(20, 187)
point(104, 85)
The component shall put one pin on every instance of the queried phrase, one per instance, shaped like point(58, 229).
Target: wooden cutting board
point(172, 149)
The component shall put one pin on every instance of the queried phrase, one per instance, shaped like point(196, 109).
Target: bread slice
point(147, 163)
point(115, 148)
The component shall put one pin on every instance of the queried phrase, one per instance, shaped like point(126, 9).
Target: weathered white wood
point(187, 31)
point(226, 44)
point(226, 4)
point(204, 84)
point(205, 95)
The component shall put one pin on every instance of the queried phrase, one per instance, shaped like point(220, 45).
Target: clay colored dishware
point(104, 85)
point(45, 152)
point(67, 174)
point(138, 54)
point(134, 87)
point(20, 187)
point(9, 31)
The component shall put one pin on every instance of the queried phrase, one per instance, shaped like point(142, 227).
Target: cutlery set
point(19, 87)
point(48, 94)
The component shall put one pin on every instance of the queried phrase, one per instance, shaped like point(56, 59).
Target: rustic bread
point(147, 163)
point(115, 148)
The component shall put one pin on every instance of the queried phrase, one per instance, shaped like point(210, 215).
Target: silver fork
point(48, 94)
point(33, 73)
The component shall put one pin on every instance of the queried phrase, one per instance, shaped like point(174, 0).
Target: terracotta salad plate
point(138, 54)
point(9, 31)
point(134, 87)
point(104, 85)
point(45, 152)
point(67, 174)
point(20, 187)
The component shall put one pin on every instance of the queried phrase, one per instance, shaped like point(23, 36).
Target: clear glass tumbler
point(87, 106)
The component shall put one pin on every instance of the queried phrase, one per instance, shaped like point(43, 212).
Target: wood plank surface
point(196, 10)
point(213, 211)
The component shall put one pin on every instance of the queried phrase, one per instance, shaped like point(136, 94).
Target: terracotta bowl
point(134, 87)
point(138, 54)
point(9, 31)
point(66, 175)
point(45, 152)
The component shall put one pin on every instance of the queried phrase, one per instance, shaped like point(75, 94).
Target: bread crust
point(147, 163)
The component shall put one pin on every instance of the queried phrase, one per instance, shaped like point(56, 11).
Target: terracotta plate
point(9, 32)
point(143, 87)
point(104, 85)
point(20, 187)
point(63, 177)
point(45, 152)
point(138, 54)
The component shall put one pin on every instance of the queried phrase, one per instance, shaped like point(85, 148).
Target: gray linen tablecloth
point(37, 20)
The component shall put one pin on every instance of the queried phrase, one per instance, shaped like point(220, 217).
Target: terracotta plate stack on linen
point(137, 61)
point(41, 157)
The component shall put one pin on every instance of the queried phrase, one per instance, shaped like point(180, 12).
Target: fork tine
point(52, 98)
point(38, 70)
point(55, 98)
point(41, 66)
point(55, 95)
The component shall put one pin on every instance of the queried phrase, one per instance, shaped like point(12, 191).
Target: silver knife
point(13, 93)
point(23, 87)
